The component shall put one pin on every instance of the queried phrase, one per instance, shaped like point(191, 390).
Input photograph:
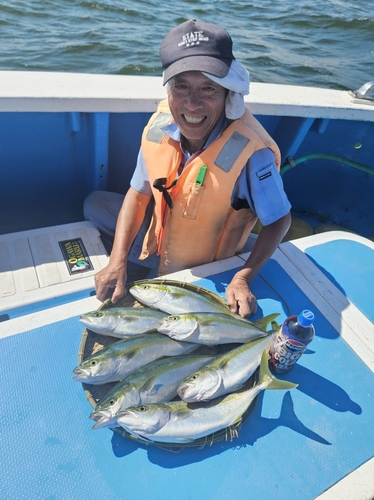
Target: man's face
point(196, 103)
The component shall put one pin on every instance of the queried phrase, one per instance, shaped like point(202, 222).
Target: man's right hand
point(110, 282)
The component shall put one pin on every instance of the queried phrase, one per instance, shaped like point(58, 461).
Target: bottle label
point(285, 350)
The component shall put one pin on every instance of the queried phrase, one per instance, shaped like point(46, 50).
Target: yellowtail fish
point(226, 373)
point(122, 322)
point(214, 328)
point(180, 422)
point(174, 299)
point(117, 361)
point(153, 383)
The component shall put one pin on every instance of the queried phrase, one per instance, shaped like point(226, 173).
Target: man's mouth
point(193, 119)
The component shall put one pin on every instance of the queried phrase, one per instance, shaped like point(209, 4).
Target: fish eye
point(112, 402)
point(93, 362)
point(174, 318)
point(97, 315)
point(194, 377)
point(142, 408)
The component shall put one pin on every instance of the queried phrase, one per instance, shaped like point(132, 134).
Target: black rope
point(160, 185)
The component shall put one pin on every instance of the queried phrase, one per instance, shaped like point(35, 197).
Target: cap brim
point(206, 64)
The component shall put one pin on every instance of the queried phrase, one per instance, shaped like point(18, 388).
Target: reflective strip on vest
point(155, 132)
point(231, 151)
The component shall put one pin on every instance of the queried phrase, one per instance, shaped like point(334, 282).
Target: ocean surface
point(324, 43)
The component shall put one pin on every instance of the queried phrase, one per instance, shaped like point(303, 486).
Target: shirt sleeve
point(140, 181)
point(260, 187)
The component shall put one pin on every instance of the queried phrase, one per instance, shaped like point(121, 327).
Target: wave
point(321, 42)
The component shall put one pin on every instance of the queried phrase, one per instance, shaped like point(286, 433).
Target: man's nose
point(193, 100)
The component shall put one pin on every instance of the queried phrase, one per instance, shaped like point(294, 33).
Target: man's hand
point(240, 298)
point(111, 279)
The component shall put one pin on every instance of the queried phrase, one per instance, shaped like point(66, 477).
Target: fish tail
point(266, 377)
point(264, 322)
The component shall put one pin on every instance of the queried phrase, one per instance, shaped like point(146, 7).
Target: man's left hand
point(240, 298)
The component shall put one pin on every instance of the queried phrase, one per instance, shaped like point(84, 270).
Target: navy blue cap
point(196, 46)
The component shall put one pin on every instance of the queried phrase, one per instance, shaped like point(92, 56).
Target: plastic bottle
point(291, 341)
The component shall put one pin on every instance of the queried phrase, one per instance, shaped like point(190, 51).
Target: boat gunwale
point(29, 91)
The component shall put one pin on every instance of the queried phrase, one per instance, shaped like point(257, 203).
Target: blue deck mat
point(296, 443)
point(342, 259)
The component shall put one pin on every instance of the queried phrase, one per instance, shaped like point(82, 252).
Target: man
point(208, 168)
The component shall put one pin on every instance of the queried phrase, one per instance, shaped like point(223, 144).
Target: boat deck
point(314, 441)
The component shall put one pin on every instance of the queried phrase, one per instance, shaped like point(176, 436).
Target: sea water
point(325, 43)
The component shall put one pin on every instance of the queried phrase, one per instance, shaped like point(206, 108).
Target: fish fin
point(237, 420)
point(149, 387)
point(223, 364)
point(184, 440)
point(141, 437)
point(265, 376)
point(275, 327)
point(182, 414)
point(264, 322)
point(132, 353)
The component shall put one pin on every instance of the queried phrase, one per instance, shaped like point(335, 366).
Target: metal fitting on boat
point(365, 92)
point(291, 162)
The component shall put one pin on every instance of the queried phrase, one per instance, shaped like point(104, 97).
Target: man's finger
point(118, 292)
point(101, 292)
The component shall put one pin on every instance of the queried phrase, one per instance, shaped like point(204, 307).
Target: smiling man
point(206, 171)
point(196, 104)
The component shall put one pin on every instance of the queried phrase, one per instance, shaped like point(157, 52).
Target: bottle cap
point(305, 318)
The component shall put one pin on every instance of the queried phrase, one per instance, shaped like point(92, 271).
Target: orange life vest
point(202, 226)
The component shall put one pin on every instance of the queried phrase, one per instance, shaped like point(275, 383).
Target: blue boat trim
point(328, 414)
point(64, 135)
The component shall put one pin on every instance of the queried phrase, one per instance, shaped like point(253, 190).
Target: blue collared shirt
point(259, 187)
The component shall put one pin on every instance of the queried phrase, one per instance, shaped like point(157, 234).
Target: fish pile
point(167, 389)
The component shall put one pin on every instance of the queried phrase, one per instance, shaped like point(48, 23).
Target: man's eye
point(180, 87)
point(208, 91)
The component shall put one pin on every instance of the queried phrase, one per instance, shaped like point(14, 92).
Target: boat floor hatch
point(42, 264)
point(314, 441)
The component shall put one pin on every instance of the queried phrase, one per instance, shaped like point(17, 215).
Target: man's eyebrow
point(179, 78)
